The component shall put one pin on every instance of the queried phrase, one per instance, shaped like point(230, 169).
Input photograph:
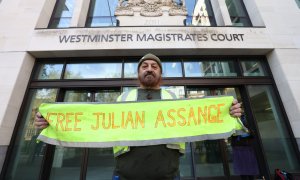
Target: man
point(147, 162)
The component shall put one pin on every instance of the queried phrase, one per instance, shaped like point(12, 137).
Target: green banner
point(138, 123)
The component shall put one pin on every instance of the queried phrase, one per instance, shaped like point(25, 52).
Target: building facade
point(87, 51)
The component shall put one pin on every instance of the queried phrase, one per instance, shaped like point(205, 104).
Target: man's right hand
point(40, 122)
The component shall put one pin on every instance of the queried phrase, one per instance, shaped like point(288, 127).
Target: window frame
point(53, 17)
point(246, 17)
point(239, 82)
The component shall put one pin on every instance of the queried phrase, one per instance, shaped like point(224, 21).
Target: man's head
point(149, 71)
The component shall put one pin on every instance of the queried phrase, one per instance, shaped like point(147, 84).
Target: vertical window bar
point(111, 20)
point(224, 158)
point(84, 163)
point(262, 162)
point(63, 70)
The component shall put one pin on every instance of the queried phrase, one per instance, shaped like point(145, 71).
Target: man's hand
point(40, 122)
point(235, 109)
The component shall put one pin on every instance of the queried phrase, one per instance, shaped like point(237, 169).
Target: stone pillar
point(46, 14)
point(81, 8)
point(217, 12)
point(224, 12)
point(254, 13)
point(285, 67)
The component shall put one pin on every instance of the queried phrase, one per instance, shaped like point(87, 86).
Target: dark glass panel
point(93, 70)
point(274, 134)
point(49, 71)
point(172, 69)
point(208, 158)
point(101, 160)
point(235, 7)
point(298, 3)
point(253, 68)
point(130, 70)
point(238, 13)
point(209, 69)
point(62, 14)
point(240, 21)
point(27, 154)
point(67, 161)
point(101, 13)
point(107, 96)
point(200, 13)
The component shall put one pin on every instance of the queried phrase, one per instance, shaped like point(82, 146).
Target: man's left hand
point(235, 109)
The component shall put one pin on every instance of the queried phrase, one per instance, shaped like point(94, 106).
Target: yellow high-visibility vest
point(132, 96)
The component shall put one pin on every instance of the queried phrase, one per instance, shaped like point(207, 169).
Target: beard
point(149, 79)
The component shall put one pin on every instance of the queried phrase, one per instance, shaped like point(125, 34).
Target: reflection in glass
point(171, 69)
point(298, 3)
point(275, 138)
point(127, 89)
point(93, 70)
point(101, 164)
point(77, 96)
point(177, 90)
point(107, 96)
point(238, 13)
point(209, 69)
point(101, 160)
point(185, 166)
point(253, 68)
point(241, 154)
point(130, 70)
point(49, 71)
point(200, 13)
point(67, 161)
point(208, 158)
point(27, 155)
point(202, 92)
point(62, 14)
point(101, 13)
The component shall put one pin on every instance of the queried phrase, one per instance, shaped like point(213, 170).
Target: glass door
point(84, 163)
point(215, 158)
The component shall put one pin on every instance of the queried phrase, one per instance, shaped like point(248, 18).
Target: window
point(298, 3)
point(200, 13)
point(253, 68)
point(101, 13)
point(62, 14)
point(171, 69)
point(238, 13)
point(49, 71)
point(273, 131)
point(27, 153)
point(93, 70)
point(209, 69)
point(130, 70)
point(76, 80)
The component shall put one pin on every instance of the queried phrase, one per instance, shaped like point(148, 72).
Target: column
point(80, 13)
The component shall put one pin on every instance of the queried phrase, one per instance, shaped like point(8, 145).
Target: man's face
point(149, 74)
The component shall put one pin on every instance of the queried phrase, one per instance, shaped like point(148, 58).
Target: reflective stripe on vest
point(132, 96)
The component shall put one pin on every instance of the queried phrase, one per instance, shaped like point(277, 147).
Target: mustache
point(149, 73)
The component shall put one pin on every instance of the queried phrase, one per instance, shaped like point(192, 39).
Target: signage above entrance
point(63, 42)
point(167, 37)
